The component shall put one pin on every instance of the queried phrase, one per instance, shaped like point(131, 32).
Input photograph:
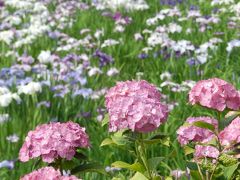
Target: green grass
point(26, 116)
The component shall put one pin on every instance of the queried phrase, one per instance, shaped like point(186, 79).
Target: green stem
point(143, 156)
point(200, 172)
point(211, 177)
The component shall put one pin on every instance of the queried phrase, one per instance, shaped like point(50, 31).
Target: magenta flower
point(54, 140)
point(47, 173)
point(206, 151)
point(216, 94)
point(231, 134)
point(135, 105)
point(192, 133)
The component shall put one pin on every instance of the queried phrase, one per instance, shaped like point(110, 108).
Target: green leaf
point(80, 155)
point(106, 142)
point(105, 120)
point(165, 141)
point(229, 171)
point(195, 174)
point(139, 176)
point(154, 162)
point(119, 140)
point(204, 125)
point(192, 165)
point(226, 121)
point(90, 167)
point(134, 167)
point(188, 150)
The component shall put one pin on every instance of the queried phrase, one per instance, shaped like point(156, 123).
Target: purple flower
point(104, 59)
point(7, 163)
point(54, 34)
point(83, 92)
point(25, 59)
point(44, 103)
point(143, 56)
point(1, 3)
point(170, 2)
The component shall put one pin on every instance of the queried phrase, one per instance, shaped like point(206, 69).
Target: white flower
point(109, 42)
point(99, 33)
point(94, 71)
point(165, 76)
point(112, 72)
point(232, 44)
point(45, 57)
point(12, 138)
point(119, 28)
point(16, 97)
point(173, 27)
point(6, 36)
point(4, 118)
point(5, 99)
point(138, 36)
point(30, 88)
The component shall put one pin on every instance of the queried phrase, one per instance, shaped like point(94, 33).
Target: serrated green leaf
point(105, 120)
point(204, 125)
point(188, 150)
point(134, 167)
point(107, 142)
point(154, 162)
point(120, 141)
point(139, 176)
point(229, 171)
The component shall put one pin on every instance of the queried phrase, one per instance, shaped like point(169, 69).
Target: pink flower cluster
point(47, 173)
point(53, 140)
point(216, 94)
point(192, 133)
point(135, 105)
point(206, 151)
point(231, 134)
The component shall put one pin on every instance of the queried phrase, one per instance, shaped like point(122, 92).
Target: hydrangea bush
point(215, 148)
point(59, 145)
point(135, 111)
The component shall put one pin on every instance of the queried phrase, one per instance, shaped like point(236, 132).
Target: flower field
point(119, 89)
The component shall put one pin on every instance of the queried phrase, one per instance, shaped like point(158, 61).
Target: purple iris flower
point(83, 92)
point(44, 103)
point(7, 164)
point(104, 59)
point(143, 56)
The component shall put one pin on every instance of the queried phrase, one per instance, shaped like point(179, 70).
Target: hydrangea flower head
point(47, 173)
point(135, 105)
point(231, 134)
point(54, 140)
point(216, 94)
point(206, 151)
point(194, 133)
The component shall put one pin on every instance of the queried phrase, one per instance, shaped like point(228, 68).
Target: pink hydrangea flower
point(206, 151)
point(192, 133)
point(54, 140)
point(47, 173)
point(216, 94)
point(135, 105)
point(231, 134)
